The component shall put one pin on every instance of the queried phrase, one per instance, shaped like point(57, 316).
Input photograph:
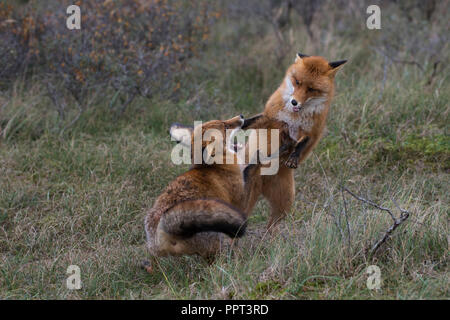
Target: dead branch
point(77, 117)
point(435, 72)
point(370, 202)
point(387, 63)
point(397, 221)
point(346, 219)
point(395, 60)
point(389, 231)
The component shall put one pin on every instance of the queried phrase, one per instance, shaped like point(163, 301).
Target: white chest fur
point(294, 123)
point(304, 119)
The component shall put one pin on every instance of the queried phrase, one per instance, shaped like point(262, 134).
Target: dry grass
point(80, 198)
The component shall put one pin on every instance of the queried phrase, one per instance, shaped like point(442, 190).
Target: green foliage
point(433, 151)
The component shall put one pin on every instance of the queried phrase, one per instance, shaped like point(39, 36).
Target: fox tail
point(202, 215)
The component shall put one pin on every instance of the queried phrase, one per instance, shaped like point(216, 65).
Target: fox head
point(209, 140)
point(309, 82)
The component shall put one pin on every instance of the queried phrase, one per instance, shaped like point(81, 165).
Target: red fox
point(299, 107)
point(199, 207)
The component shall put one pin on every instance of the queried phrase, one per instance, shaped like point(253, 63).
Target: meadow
point(74, 190)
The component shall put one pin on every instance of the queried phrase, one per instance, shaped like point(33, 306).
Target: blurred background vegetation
point(84, 145)
point(169, 49)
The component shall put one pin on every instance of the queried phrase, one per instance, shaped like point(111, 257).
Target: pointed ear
point(300, 56)
point(181, 133)
point(335, 66)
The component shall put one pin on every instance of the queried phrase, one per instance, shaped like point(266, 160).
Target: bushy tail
point(192, 216)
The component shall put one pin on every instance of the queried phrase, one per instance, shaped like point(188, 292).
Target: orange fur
point(198, 207)
point(310, 82)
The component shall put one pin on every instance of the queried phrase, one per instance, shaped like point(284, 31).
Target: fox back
point(199, 207)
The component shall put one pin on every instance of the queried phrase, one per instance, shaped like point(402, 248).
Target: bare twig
point(389, 231)
point(383, 83)
point(371, 203)
point(346, 219)
point(58, 103)
point(388, 60)
point(397, 221)
point(435, 72)
point(77, 117)
point(386, 55)
point(125, 105)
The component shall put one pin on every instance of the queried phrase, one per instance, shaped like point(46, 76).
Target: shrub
point(131, 47)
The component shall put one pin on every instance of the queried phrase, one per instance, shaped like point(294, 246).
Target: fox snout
point(295, 105)
point(236, 122)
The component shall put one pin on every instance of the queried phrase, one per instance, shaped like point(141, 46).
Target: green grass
point(81, 197)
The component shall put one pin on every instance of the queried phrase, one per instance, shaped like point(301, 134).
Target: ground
point(80, 197)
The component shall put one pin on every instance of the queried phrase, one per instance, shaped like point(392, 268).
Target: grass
point(80, 198)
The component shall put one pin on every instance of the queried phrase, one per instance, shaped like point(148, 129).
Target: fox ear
point(335, 66)
point(181, 133)
point(300, 56)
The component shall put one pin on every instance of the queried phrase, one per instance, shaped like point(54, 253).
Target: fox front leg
point(292, 161)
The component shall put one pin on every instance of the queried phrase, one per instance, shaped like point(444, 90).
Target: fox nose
point(294, 102)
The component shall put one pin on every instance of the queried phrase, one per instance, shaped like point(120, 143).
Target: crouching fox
point(207, 206)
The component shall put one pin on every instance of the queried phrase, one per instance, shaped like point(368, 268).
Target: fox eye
point(312, 89)
point(297, 82)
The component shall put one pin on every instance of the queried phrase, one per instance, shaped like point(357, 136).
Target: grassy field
point(80, 197)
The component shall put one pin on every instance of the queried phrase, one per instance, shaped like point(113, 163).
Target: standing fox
point(299, 107)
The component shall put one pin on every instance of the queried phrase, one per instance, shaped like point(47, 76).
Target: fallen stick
point(397, 221)
point(391, 229)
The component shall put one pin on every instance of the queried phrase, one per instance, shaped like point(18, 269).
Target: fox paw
point(147, 266)
point(292, 162)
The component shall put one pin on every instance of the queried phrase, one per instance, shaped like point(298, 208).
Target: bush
point(128, 46)
point(21, 36)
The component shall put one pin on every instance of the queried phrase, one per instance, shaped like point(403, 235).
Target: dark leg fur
point(248, 122)
point(292, 161)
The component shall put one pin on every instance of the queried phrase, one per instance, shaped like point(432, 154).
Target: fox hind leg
point(279, 191)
